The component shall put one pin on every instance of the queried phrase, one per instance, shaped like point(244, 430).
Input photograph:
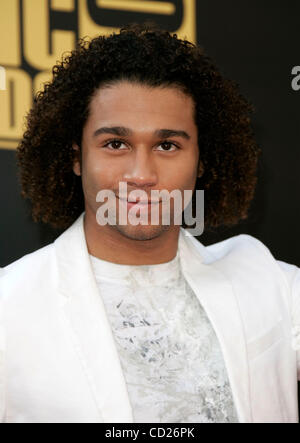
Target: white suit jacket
point(58, 357)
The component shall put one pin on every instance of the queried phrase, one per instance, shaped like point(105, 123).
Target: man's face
point(138, 155)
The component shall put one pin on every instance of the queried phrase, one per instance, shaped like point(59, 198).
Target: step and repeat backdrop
point(255, 44)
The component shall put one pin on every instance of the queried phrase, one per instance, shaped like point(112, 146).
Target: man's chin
point(141, 232)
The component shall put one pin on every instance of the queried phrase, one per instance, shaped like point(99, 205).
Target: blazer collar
point(93, 338)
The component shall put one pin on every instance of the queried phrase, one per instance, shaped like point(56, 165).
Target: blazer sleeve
point(2, 357)
point(292, 273)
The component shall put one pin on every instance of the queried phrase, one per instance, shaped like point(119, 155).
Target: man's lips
point(141, 205)
point(139, 202)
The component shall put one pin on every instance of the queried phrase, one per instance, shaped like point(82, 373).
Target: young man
point(141, 322)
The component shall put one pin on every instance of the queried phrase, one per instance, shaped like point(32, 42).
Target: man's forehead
point(140, 108)
point(125, 109)
point(142, 95)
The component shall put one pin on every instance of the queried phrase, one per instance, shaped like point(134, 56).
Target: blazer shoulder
point(249, 255)
point(28, 268)
point(242, 245)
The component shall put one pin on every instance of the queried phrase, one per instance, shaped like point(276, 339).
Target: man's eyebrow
point(121, 131)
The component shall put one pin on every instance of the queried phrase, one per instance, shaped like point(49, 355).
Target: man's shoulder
point(246, 255)
point(28, 267)
point(43, 256)
point(27, 287)
point(246, 247)
point(242, 246)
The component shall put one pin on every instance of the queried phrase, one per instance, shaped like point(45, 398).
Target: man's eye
point(115, 144)
point(168, 146)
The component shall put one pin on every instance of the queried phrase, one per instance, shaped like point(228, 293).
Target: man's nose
point(141, 171)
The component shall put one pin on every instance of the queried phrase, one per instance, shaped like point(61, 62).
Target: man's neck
point(107, 243)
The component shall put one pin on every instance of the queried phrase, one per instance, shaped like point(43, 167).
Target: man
point(126, 322)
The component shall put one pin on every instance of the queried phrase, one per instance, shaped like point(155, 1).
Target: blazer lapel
point(89, 326)
point(215, 293)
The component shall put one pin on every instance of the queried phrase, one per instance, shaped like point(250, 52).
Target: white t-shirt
point(169, 352)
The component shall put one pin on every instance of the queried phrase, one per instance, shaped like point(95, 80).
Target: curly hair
point(145, 54)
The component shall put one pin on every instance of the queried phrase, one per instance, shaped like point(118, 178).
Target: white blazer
point(58, 358)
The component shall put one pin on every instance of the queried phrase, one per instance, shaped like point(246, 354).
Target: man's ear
point(76, 160)
point(200, 169)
